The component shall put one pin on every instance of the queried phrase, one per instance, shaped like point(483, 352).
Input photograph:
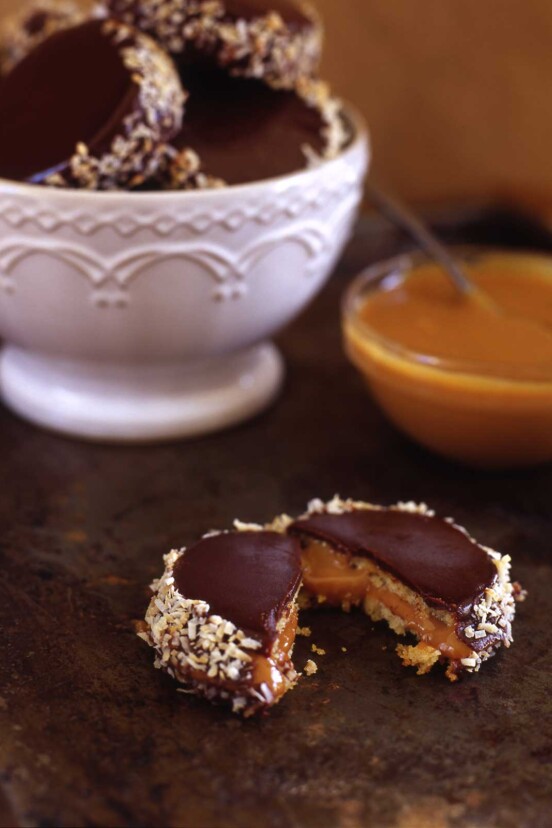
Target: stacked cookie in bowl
point(164, 94)
point(176, 185)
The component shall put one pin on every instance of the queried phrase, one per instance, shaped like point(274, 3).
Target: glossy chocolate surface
point(246, 577)
point(242, 130)
point(428, 554)
point(72, 88)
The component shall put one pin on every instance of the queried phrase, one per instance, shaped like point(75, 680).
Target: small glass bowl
point(482, 415)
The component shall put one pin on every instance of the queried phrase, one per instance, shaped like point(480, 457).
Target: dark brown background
point(91, 735)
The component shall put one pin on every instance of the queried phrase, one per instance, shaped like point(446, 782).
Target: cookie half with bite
point(421, 574)
point(223, 618)
point(91, 107)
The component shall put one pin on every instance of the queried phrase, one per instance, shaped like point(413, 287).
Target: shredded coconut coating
point(265, 47)
point(206, 653)
point(139, 149)
point(490, 620)
point(335, 133)
point(21, 32)
point(181, 170)
point(164, 20)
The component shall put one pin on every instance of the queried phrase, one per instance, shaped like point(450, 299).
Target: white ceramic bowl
point(148, 316)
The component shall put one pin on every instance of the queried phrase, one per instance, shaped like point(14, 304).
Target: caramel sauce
point(467, 376)
point(329, 574)
point(507, 327)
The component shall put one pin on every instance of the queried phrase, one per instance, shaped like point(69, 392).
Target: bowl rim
point(371, 276)
point(361, 139)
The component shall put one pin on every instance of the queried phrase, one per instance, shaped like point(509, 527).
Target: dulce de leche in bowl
point(469, 377)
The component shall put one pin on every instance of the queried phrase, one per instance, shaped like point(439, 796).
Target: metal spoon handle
point(404, 218)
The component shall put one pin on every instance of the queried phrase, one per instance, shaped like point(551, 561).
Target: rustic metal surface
point(91, 735)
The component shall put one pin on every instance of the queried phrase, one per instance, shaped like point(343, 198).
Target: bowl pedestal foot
point(133, 403)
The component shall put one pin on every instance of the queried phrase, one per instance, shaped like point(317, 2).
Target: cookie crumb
point(311, 668)
point(318, 650)
point(304, 631)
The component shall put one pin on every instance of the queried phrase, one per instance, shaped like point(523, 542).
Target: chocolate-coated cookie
point(90, 107)
point(243, 131)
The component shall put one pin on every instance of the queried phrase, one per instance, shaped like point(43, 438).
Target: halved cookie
point(243, 131)
point(418, 572)
point(223, 618)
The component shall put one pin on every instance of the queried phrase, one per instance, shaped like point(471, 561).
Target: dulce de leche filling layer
point(339, 579)
point(270, 670)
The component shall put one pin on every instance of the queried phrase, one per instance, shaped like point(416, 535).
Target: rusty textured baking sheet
point(91, 735)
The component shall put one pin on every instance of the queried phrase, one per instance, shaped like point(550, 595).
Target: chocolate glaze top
point(242, 130)
point(430, 555)
point(72, 87)
point(248, 578)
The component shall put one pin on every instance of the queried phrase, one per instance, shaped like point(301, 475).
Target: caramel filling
point(269, 670)
point(338, 580)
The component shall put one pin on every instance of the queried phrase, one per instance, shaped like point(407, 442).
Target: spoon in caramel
point(404, 218)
